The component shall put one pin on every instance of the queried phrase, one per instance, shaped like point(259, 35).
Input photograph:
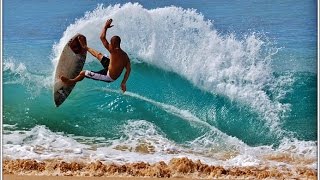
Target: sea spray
point(17, 73)
point(181, 41)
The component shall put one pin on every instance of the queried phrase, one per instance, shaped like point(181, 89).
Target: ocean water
point(229, 83)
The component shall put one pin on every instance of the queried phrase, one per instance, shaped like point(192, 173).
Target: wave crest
point(182, 41)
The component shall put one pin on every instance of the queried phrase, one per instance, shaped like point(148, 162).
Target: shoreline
point(182, 168)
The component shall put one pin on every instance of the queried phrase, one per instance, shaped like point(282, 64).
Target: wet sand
point(26, 177)
point(181, 168)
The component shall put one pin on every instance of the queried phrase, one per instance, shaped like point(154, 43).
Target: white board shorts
point(102, 75)
point(98, 76)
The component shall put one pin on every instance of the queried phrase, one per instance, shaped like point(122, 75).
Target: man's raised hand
point(108, 24)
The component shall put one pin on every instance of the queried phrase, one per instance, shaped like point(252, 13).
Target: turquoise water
point(206, 81)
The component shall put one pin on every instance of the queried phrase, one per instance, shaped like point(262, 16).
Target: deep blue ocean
point(229, 83)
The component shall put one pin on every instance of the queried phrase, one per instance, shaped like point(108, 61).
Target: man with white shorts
point(102, 75)
point(113, 67)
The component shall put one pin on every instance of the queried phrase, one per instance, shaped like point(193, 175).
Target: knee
point(82, 73)
point(99, 56)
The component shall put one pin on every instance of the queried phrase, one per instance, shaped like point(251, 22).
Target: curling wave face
point(183, 42)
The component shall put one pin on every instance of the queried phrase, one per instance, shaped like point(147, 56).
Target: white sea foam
point(39, 143)
point(181, 41)
point(219, 136)
point(19, 74)
point(143, 141)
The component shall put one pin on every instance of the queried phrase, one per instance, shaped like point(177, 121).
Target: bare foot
point(82, 42)
point(67, 81)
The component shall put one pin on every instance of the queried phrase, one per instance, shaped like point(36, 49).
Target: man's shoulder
point(125, 54)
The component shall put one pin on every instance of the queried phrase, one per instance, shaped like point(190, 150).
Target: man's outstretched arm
point(103, 34)
point(126, 76)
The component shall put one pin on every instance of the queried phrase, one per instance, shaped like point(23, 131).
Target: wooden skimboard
point(69, 65)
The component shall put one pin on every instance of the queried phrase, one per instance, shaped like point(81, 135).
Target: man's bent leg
point(68, 81)
point(94, 53)
point(80, 77)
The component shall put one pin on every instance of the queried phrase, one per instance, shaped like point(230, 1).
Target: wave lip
point(182, 41)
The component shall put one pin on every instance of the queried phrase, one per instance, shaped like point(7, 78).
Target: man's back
point(118, 61)
point(118, 58)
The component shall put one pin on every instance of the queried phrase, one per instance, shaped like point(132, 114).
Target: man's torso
point(118, 60)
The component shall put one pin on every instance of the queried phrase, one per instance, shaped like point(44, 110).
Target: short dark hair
point(116, 40)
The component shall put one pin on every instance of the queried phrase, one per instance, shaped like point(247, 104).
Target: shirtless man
point(113, 67)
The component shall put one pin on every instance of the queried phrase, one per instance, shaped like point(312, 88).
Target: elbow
point(128, 69)
point(102, 36)
point(127, 72)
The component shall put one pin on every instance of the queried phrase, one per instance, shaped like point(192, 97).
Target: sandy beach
point(181, 168)
point(27, 177)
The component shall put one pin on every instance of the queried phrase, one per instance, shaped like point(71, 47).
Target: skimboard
point(70, 64)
